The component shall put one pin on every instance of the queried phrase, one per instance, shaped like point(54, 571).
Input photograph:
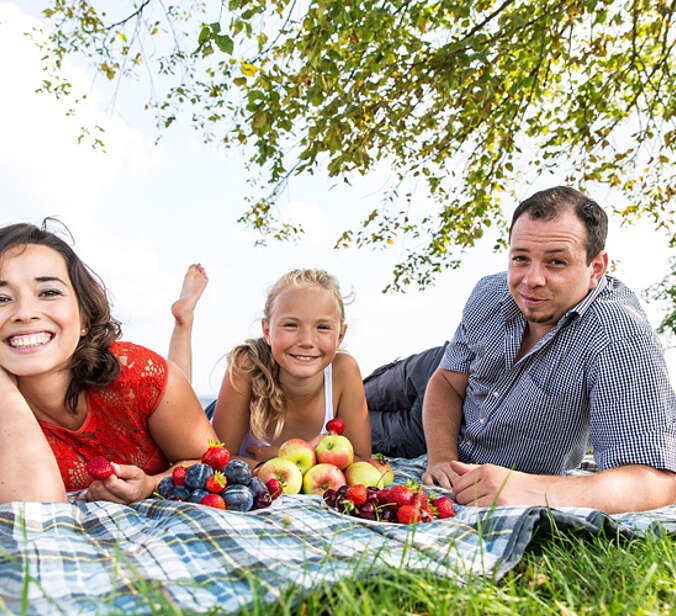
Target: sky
point(141, 212)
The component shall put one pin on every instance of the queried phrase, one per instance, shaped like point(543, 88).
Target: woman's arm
point(24, 448)
point(351, 407)
point(181, 430)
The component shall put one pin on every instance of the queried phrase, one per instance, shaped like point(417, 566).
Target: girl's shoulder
point(345, 367)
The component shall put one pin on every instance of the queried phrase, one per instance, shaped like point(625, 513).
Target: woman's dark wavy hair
point(92, 364)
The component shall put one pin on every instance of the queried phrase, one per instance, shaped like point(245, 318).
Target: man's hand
point(128, 484)
point(441, 474)
point(487, 484)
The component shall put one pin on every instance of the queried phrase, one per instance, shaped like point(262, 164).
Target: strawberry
point(444, 507)
point(216, 456)
point(408, 514)
point(216, 482)
point(357, 494)
point(274, 487)
point(335, 426)
point(213, 500)
point(100, 468)
point(401, 495)
point(178, 475)
point(419, 498)
point(384, 496)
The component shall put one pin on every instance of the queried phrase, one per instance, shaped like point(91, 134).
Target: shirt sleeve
point(457, 356)
point(632, 405)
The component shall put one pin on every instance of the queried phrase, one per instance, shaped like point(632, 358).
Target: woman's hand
point(127, 484)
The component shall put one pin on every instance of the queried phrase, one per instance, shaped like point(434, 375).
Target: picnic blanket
point(105, 558)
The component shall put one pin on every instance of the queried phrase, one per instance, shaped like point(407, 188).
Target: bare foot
point(193, 284)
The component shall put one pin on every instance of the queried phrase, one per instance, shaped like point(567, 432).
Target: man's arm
point(442, 417)
point(626, 488)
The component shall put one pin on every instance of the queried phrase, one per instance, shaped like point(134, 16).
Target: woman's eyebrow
point(50, 279)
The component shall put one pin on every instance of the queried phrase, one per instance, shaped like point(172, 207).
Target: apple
point(321, 477)
point(363, 472)
point(299, 452)
point(335, 449)
point(284, 471)
point(380, 462)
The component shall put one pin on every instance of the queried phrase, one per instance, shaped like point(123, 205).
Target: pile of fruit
point(406, 504)
point(301, 468)
point(352, 488)
point(217, 482)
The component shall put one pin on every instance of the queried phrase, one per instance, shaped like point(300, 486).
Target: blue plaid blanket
point(106, 558)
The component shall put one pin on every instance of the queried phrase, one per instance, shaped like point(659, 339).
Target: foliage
point(464, 100)
point(665, 292)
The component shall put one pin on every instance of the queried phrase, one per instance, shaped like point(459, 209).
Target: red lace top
point(116, 425)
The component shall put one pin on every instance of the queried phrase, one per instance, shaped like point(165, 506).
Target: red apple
point(383, 466)
point(299, 452)
point(335, 449)
point(284, 471)
point(362, 472)
point(321, 477)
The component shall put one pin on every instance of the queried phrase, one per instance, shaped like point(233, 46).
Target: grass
point(562, 574)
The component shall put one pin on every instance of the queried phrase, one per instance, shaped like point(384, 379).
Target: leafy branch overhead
point(467, 99)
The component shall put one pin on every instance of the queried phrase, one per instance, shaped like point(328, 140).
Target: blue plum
point(237, 472)
point(238, 498)
point(196, 476)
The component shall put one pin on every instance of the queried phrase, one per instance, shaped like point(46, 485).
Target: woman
point(69, 392)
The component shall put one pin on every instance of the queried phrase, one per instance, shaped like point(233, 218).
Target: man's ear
point(265, 326)
point(599, 265)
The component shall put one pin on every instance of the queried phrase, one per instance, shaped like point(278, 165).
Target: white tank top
point(250, 439)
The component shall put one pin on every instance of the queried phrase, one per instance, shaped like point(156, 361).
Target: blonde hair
point(267, 409)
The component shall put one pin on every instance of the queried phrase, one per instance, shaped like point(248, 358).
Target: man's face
point(548, 272)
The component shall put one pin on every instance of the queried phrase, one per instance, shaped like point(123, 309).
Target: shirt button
point(468, 443)
point(482, 420)
point(496, 394)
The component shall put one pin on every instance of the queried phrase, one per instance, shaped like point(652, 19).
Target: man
point(548, 358)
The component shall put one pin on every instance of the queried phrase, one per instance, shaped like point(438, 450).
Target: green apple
point(284, 471)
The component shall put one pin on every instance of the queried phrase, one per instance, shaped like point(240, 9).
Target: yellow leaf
point(248, 69)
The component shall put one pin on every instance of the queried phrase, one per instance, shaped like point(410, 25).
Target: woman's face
point(40, 324)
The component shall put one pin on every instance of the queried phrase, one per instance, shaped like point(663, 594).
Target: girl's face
point(304, 330)
point(39, 315)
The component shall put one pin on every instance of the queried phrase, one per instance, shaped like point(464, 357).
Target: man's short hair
point(551, 203)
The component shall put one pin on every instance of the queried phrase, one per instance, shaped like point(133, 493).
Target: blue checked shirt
point(597, 379)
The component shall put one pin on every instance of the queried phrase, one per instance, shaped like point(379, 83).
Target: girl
point(70, 392)
point(293, 379)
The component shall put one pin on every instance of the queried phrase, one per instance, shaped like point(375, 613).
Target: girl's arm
point(351, 406)
point(24, 448)
point(181, 430)
point(231, 414)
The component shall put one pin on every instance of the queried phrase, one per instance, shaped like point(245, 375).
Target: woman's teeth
point(29, 340)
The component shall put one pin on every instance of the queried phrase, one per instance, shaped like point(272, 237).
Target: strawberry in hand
point(335, 426)
point(100, 468)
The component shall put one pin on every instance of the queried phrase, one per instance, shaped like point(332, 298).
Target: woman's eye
point(50, 293)
point(3, 299)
